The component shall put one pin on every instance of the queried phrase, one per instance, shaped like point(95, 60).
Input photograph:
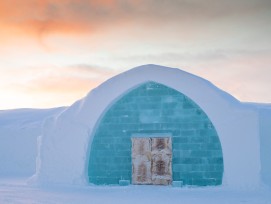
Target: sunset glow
point(53, 52)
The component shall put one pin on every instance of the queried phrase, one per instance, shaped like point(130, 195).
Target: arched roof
point(235, 123)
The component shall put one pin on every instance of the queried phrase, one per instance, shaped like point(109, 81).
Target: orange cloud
point(45, 16)
point(41, 17)
point(107, 11)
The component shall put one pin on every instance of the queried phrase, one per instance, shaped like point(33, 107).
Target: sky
point(53, 52)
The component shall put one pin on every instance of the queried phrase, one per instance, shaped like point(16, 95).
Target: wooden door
point(161, 161)
point(141, 160)
point(151, 161)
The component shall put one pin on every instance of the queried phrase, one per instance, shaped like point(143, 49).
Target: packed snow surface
point(17, 191)
point(19, 130)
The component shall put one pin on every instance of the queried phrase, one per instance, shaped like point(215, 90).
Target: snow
point(18, 135)
point(66, 138)
point(17, 191)
point(264, 111)
point(265, 139)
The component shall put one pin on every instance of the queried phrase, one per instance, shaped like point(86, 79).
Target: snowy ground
point(17, 191)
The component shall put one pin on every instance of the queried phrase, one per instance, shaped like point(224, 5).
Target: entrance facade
point(152, 160)
point(170, 125)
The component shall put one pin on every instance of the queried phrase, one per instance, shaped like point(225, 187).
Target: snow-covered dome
point(67, 145)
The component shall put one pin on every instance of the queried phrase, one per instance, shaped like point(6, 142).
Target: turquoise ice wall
point(155, 108)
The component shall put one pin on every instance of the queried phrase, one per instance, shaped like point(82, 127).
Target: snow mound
point(66, 139)
point(65, 134)
point(19, 130)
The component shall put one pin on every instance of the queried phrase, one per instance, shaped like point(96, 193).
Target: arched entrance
point(155, 109)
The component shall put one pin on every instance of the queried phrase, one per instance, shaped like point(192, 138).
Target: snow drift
point(19, 130)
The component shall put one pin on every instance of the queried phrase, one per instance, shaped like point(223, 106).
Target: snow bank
point(265, 139)
point(18, 135)
point(66, 139)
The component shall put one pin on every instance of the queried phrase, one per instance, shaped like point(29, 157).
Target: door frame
point(150, 136)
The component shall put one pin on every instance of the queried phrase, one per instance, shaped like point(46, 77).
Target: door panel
point(161, 161)
point(161, 144)
point(141, 160)
point(151, 161)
